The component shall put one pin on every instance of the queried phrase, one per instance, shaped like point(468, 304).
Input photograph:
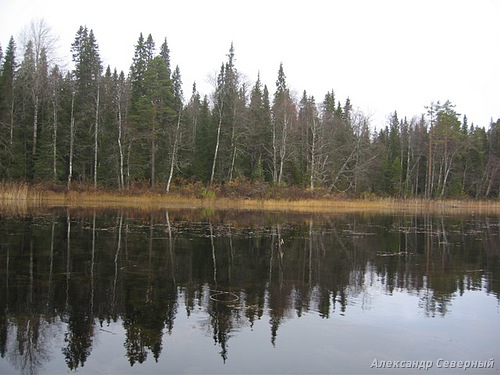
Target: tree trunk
point(153, 155)
point(313, 154)
point(96, 133)
point(120, 146)
point(71, 139)
point(174, 152)
point(217, 144)
point(54, 140)
point(35, 124)
point(153, 147)
point(428, 193)
point(283, 149)
point(275, 155)
point(11, 122)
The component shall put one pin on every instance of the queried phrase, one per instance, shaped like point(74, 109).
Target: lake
point(234, 292)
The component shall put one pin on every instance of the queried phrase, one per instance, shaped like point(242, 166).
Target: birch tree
point(225, 100)
point(39, 56)
point(178, 108)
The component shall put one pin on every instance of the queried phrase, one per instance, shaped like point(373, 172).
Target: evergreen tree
point(226, 96)
point(258, 135)
point(108, 129)
point(48, 162)
point(34, 73)
point(138, 69)
point(140, 132)
point(165, 53)
point(492, 172)
point(312, 136)
point(448, 143)
point(7, 109)
point(174, 134)
point(87, 74)
point(205, 142)
point(283, 118)
point(192, 118)
point(155, 109)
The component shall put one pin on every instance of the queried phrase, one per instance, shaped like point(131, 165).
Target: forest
point(97, 127)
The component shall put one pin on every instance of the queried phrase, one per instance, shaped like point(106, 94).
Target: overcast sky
point(385, 55)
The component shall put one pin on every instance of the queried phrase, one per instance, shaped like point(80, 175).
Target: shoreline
point(23, 197)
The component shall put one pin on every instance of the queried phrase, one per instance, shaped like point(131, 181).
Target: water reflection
point(70, 276)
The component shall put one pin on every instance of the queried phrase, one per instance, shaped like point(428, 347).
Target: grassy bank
point(22, 197)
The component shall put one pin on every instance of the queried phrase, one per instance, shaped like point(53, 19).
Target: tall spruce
point(225, 103)
point(175, 133)
point(283, 117)
point(7, 108)
point(258, 139)
point(156, 112)
point(87, 74)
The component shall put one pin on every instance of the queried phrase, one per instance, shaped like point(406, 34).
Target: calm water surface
point(216, 292)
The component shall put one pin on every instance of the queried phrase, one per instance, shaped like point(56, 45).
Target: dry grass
point(19, 197)
point(23, 197)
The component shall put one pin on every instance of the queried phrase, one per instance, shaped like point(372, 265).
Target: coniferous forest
point(94, 126)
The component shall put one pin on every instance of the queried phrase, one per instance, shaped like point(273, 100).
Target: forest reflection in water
point(138, 290)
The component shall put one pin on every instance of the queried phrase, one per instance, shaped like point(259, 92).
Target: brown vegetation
point(24, 197)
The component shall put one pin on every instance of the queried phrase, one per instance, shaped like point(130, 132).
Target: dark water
point(255, 293)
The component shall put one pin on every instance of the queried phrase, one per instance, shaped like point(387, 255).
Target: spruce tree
point(174, 133)
point(226, 98)
point(165, 53)
point(87, 75)
point(7, 109)
point(155, 109)
point(283, 118)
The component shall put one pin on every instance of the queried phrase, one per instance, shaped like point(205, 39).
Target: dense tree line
point(115, 129)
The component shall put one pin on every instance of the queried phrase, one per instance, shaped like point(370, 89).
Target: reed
point(22, 197)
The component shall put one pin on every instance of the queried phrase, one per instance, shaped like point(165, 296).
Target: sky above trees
point(384, 55)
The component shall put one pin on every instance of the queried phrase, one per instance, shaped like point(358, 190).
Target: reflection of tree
point(31, 330)
point(133, 267)
point(277, 305)
point(78, 339)
point(33, 343)
point(150, 299)
point(221, 322)
point(79, 303)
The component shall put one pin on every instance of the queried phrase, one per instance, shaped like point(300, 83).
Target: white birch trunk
point(96, 136)
point(174, 152)
point(54, 140)
point(120, 146)
point(71, 139)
